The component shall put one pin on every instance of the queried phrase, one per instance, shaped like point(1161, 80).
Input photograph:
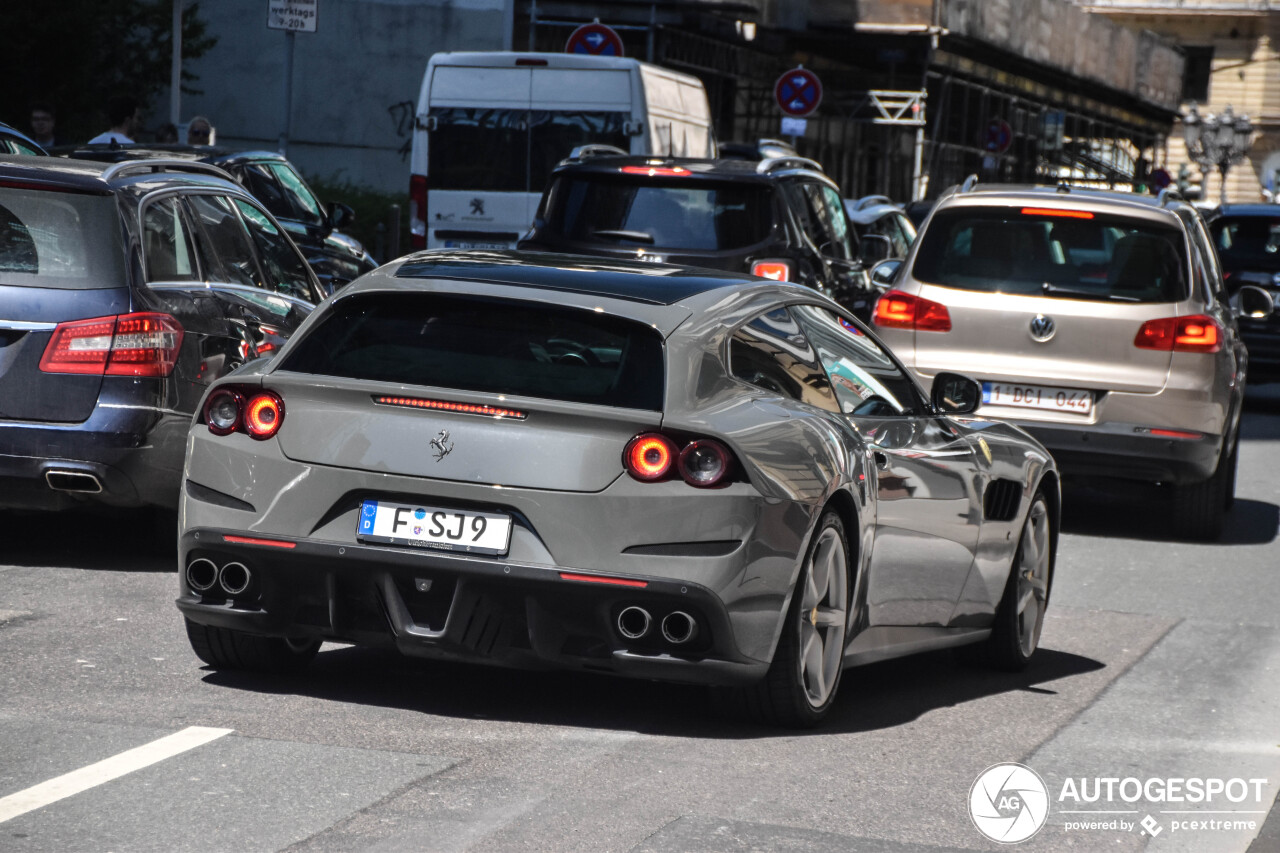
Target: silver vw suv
point(1095, 320)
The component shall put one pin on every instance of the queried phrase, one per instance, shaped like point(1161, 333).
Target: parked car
point(14, 141)
point(1098, 321)
point(614, 466)
point(1247, 239)
point(877, 216)
point(779, 218)
point(315, 227)
point(125, 290)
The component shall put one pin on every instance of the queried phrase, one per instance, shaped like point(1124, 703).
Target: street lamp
point(1220, 141)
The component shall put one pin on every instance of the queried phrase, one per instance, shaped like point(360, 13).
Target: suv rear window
point(667, 214)
point(64, 240)
point(488, 345)
point(1247, 242)
point(1073, 255)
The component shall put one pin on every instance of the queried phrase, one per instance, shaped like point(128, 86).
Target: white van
point(491, 127)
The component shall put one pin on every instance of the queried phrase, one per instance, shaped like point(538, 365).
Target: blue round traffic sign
point(798, 92)
point(999, 136)
point(595, 39)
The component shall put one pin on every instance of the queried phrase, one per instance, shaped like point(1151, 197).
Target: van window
point(511, 150)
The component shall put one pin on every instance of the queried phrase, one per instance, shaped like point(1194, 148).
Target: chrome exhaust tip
point(634, 622)
point(679, 628)
point(234, 578)
point(73, 481)
point(202, 574)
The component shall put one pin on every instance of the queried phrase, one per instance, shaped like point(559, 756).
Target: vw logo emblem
point(1042, 328)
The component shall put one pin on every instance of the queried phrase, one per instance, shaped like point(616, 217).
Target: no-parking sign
point(594, 39)
point(798, 92)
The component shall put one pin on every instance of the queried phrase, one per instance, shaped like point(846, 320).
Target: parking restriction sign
point(798, 92)
point(595, 39)
point(297, 16)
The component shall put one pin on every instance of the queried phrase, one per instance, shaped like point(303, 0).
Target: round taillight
point(705, 463)
point(648, 457)
point(263, 415)
point(222, 412)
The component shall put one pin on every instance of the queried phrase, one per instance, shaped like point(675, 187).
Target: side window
point(286, 271)
point(262, 185)
point(1200, 235)
point(867, 381)
point(822, 216)
point(166, 240)
point(772, 353)
point(306, 206)
point(225, 248)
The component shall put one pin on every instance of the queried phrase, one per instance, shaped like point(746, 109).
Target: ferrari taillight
point(702, 462)
point(255, 412)
point(140, 344)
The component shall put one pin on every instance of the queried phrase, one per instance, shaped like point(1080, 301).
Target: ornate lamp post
point(1220, 141)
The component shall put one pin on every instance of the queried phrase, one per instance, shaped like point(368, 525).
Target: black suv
point(780, 218)
point(125, 289)
point(1247, 237)
point(335, 256)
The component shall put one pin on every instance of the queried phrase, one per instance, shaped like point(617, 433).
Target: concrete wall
point(355, 80)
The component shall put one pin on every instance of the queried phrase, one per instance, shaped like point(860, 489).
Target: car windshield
point(488, 345)
point(699, 215)
point(512, 150)
point(64, 240)
point(1069, 254)
point(1247, 242)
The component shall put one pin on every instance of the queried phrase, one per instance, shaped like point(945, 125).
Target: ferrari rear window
point(1046, 252)
point(488, 345)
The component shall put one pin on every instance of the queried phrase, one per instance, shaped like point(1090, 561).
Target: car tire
point(224, 648)
point(1015, 633)
point(1199, 508)
point(800, 686)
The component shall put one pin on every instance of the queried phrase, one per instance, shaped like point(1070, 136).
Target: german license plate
point(464, 531)
point(1037, 397)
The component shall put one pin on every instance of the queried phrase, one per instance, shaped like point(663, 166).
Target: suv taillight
point(139, 344)
point(776, 270)
point(256, 412)
point(898, 310)
point(418, 211)
point(703, 462)
point(1192, 333)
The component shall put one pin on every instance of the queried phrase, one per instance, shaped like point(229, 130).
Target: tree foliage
point(76, 54)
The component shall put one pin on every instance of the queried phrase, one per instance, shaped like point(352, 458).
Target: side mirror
point(875, 248)
point(954, 394)
point(340, 215)
point(1253, 302)
point(885, 273)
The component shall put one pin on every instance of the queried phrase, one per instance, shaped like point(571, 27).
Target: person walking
point(122, 111)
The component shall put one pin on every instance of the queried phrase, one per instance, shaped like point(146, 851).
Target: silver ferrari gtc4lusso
point(623, 467)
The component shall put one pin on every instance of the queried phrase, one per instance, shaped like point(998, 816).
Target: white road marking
point(106, 770)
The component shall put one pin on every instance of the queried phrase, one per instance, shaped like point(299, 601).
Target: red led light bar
point(248, 540)
point(656, 171)
point(567, 576)
point(1053, 211)
point(447, 406)
point(1174, 433)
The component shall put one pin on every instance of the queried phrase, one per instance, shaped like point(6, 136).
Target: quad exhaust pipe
point(203, 575)
point(634, 622)
point(62, 480)
point(679, 628)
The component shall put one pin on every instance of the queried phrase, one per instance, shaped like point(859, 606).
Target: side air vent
point(1000, 503)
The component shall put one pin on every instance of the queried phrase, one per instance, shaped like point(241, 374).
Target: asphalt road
point(1160, 661)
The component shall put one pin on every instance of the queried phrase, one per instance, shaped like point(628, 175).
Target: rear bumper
point(1119, 451)
point(473, 609)
point(135, 455)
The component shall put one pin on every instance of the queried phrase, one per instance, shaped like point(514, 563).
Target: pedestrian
point(167, 134)
point(42, 121)
point(199, 131)
point(122, 111)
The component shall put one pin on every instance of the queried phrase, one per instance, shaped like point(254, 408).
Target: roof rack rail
point(969, 183)
point(596, 149)
point(1167, 195)
point(768, 164)
point(126, 167)
point(868, 200)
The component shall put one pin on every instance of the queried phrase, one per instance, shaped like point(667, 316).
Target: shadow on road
point(1145, 515)
point(100, 540)
point(871, 697)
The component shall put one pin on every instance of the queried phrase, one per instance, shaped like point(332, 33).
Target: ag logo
point(1009, 803)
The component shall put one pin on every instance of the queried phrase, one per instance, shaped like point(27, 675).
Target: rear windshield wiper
point(1057, 290)
point(622, 234)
